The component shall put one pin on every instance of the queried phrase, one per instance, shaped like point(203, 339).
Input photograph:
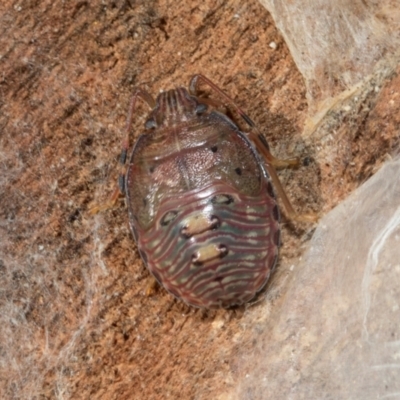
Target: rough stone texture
point(75, 318)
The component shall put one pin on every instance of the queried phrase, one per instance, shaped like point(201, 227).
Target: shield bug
point(201, 199)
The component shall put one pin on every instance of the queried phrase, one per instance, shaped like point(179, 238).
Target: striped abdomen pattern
point(213, 247)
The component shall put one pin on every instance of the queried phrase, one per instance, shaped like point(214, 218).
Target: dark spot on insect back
point(168, 217)
point(214, 149)
point(184, 232)
point(195, 261)
point(270, 190)
point(277, 238)
point(275, 213)
point(238, 171)
point(222, 199)
point(215, 222)
point(151, 169)
point(145, 202)
point(223, 250)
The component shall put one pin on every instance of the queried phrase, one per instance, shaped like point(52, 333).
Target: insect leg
point(139, 93)
point(261, 144)
point(120, 189)
point(269, 165)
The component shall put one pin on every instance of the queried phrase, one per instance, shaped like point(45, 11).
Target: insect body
point(201, 204)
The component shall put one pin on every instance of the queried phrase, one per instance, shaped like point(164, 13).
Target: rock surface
point(76, 322)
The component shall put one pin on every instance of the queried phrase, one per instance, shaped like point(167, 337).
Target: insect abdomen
point(213, 247)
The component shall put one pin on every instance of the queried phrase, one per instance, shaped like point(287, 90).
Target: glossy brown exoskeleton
point(201, 201)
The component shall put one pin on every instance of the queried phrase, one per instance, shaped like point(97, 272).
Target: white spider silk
point(336, 333)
